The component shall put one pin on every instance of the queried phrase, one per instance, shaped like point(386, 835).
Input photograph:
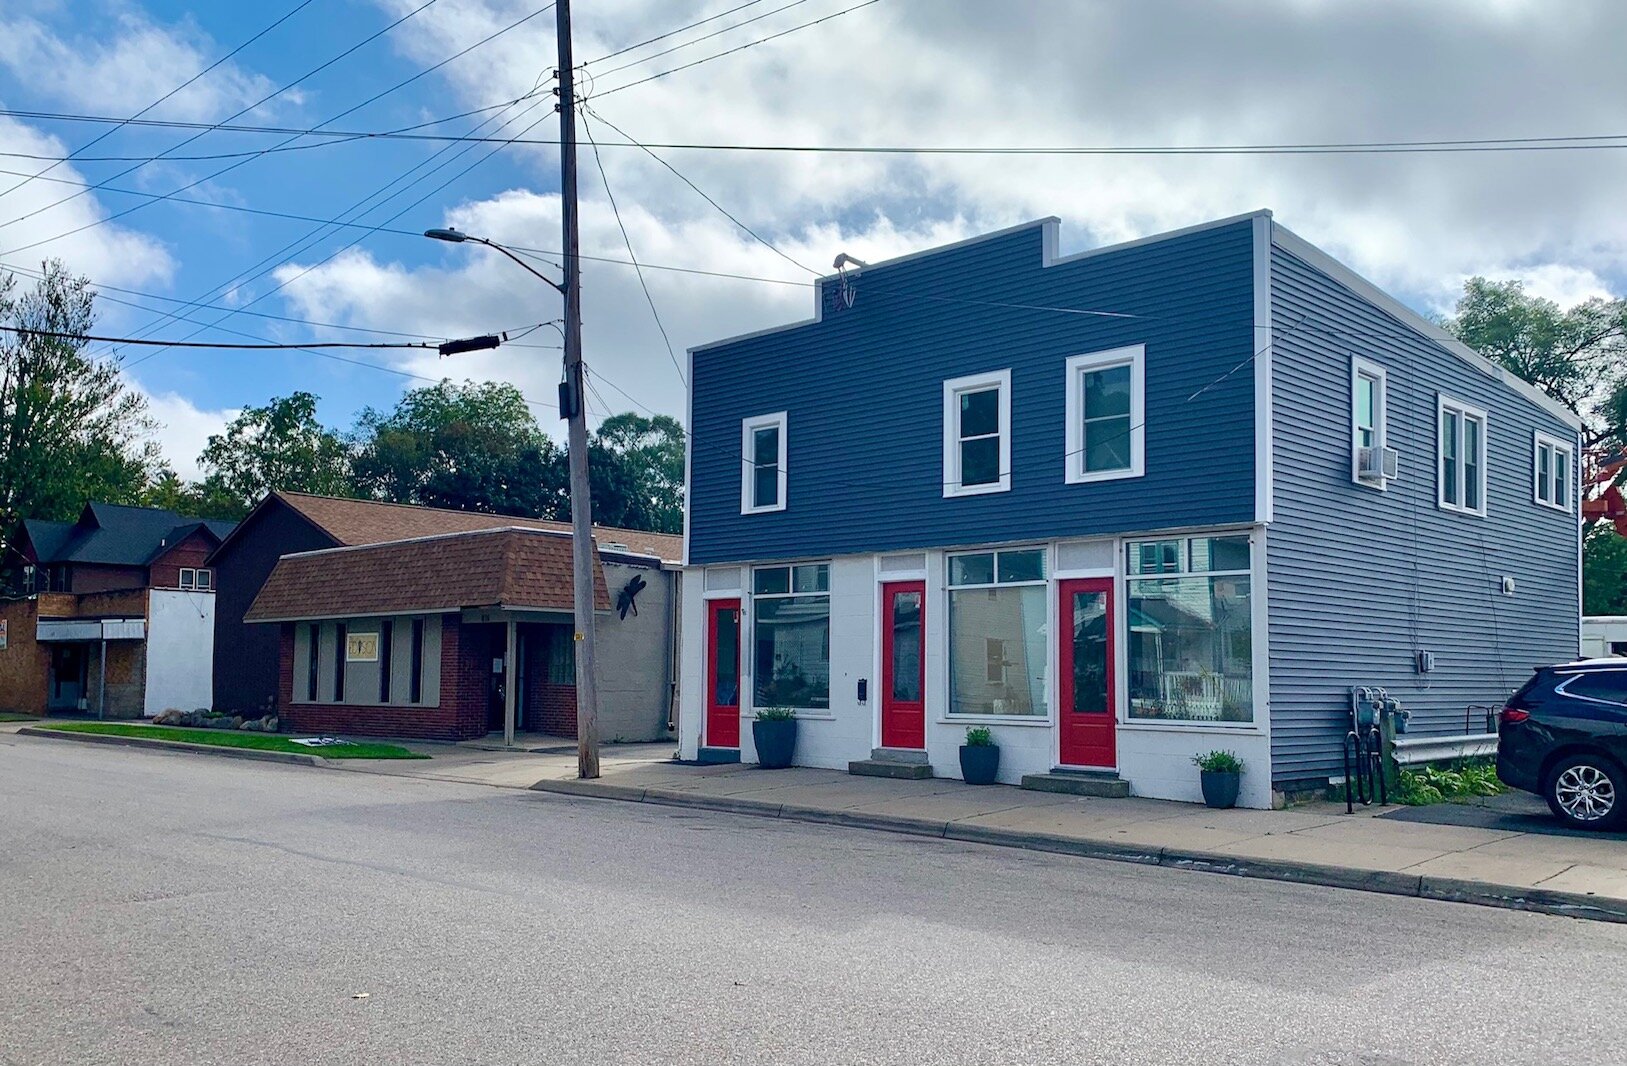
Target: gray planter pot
point(979, 764)
point(776, 743)
point(1220, 788)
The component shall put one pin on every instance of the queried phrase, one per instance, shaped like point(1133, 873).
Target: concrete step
point(1079, 783)
point(903, 771)
point(717, 756)
point(898, 755)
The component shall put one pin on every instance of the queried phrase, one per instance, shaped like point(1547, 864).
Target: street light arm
point(493, 244)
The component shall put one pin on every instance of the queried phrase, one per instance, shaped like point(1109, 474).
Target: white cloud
point(126, 62)
point(108, 252)
point(184, 428)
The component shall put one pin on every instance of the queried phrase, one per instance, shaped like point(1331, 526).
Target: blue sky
point(897, 72)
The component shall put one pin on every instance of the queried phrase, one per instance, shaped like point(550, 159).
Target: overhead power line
point(671, 33)
point(1555, 143)
point(697, 40)
point(206, 70)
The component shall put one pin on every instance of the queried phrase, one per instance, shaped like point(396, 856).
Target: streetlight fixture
point(572, 409)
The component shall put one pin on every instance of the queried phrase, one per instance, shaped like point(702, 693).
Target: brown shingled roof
point(355, 522)
point(508, 567)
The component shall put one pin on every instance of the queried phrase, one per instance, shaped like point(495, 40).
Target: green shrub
point(776, 714)
point(980, 737)
point(1219, 762)
point(1464, 779)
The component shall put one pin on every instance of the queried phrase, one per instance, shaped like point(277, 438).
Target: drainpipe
point(101, 681)
point(509, 676)
point(674, 606)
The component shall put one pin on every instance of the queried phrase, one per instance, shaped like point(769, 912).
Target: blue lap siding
point(863, 389)
point(1361, 580)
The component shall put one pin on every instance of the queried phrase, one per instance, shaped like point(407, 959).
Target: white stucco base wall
point(180, 650)
point(691, 659)
point(1158, 762)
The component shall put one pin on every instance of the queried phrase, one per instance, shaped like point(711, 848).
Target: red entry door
point(722, 674)
point(1086, 664)
point(903, 665)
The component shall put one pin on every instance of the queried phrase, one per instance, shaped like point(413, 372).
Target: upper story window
point(997, 641)
point(1105, 403)
point(1461, 476)
point(762, 465)
point(1551, 472)
point(977, 434)
point(1372, 461)
point(199, 580)
point(791, 637)
point(30, 581)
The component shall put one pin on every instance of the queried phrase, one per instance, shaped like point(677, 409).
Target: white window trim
point(188, 578)
point(1443, 404)
point(748, 597)
point(1360, 368)
point(946, 641)
point(1135, 357)
point(952, 389)
point(1540, 440)
point(748, 462)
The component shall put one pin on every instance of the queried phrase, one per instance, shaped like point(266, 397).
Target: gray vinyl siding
point(863, 391)
point(1360, 580)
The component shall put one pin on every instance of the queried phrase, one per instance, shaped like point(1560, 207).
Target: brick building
point(451, 636)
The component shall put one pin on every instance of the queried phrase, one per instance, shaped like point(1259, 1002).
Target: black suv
point(1564, 737)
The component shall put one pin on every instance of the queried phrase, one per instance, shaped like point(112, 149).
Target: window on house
point(386, 658)
point(415, 671)
point(1552, 472)
point(561, 655)
point(791, 636)
point(763, 469)
point(997, 633)
point(1462, 476)
point(29, 581)
point(1105, 404)
point(1191, 646)
point(206, 580)
point(1369, 386)
point(977, 434)
point(189, 578)
point(313, 661)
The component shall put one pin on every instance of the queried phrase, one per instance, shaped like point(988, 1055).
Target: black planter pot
point(776, 742)
point(1220, 788)
point(979, 763)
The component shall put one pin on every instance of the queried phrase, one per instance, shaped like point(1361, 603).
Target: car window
point(1610, 685)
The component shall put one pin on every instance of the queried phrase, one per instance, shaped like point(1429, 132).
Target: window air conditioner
point(1378, 463)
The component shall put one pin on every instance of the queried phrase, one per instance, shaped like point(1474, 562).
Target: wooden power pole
point(587, 694)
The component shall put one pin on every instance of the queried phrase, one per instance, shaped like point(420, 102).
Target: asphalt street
point(162, 908)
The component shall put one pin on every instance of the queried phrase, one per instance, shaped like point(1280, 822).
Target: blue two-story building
point(1121, 507)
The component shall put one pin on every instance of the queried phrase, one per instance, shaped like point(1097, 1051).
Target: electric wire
point(670, 33)
point(686, 44)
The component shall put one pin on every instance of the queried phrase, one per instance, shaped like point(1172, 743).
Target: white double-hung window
point(977, 434)
point(1106, 438)
point(762, 464)
point(1461, 473)
point(1551, 472)
point(1369, 402)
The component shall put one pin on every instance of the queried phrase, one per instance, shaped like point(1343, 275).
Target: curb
point(176, 745)
point(1386, 882)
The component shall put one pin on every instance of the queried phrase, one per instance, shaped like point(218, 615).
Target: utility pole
point(587, 694)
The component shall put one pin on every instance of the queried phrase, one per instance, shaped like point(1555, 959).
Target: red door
point(1085, 660)
point(903, 666)
point(722, 674)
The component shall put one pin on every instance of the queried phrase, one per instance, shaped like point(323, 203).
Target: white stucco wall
point(180, 650)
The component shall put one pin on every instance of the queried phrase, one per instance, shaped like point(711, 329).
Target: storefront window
point(791, 637)
point(997, 633)
point(1191, 648)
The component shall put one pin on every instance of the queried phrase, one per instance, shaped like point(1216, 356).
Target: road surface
point(159, 908)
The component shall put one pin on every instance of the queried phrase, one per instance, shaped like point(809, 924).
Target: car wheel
point(1586, 791)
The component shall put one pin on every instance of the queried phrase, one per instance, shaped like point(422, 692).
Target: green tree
point(636, 469)
point(70, 428)
point(1577, 356)
point(468, 447)
point(278, 446)
point(1604, 571)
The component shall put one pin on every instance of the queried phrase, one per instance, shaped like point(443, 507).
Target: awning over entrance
point(58, 630)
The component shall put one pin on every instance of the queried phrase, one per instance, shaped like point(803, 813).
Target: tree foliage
point(70, 428)
point(278, 446)
point(636, 469)
point(1604, 571)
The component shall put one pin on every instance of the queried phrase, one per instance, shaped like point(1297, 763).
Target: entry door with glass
point(1085, 659)
point(723, 674)
point(903, 667)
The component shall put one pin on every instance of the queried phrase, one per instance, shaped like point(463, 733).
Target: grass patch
point(221, 738)
point(1467, 779)
point(13, 716)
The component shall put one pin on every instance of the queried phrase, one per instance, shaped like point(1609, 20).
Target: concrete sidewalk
point(1578, 876)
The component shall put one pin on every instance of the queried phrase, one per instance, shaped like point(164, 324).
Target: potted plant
point(1221, 773)
point(775, 734)
point(979, 757)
